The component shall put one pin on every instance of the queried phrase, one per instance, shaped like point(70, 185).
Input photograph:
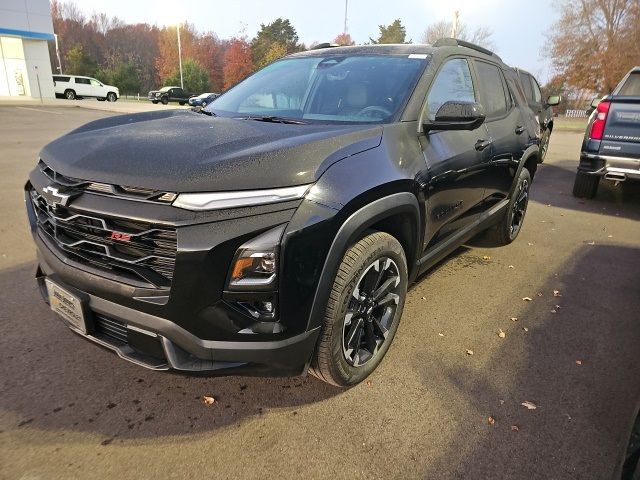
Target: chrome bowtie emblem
point(55, 197)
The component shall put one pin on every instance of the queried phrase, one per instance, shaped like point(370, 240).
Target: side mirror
point(595, 102)
point(454, 115)
point(554, 100)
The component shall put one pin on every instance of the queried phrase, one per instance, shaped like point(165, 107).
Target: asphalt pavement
point(69, 409)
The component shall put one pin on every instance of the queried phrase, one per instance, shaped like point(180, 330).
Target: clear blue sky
point(519, 27)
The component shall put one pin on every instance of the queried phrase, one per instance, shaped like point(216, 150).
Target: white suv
point(75, 86)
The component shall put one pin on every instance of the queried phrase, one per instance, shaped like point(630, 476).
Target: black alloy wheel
point(371, 311)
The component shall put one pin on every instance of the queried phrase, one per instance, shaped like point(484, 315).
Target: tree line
point(590, 47)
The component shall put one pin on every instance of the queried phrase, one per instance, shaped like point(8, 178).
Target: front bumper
point(610, 167)
point(159, 344)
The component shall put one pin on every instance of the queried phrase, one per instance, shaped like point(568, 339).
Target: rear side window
point(58, 78)
point(84, 81)
point(493, 99)
point(452, 83)
point(526, 85)
point(631, 87)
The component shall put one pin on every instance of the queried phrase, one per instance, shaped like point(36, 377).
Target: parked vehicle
point(74, 87)
point(203, 100)
point(611, 145)
point(542, 109)
point(169, 94)
point(285, 237)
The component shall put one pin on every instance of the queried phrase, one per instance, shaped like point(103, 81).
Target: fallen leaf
point(525, 329)
point(526, 299)
point(441, 334)
point(208, 400)
point(548, 204)
point(556, 293)
point(511, 266)
point(491, 420)
point(553, 311)
point(591, 243)
point(530, 244)
point(501, 402)
point(515, 428)
point(557, 307)
point(514, 319)
point(501, 334)
point(609, 236)
point(539, 294)
point(578, 362)
point(368, 383)
point(486, 257)
point(568, 416)
point(423, 298)
point(469, 352)
point(529, 405)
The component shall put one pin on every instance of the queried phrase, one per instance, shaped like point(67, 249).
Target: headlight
point(255, 264)
point(220, 200)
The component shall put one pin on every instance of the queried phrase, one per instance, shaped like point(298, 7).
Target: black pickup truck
point(611, 145)
point(169, 94)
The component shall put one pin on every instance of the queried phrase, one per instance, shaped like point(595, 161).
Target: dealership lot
point(70, 409)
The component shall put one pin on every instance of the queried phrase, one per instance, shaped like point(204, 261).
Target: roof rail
point(453, 42)
point(324, 45)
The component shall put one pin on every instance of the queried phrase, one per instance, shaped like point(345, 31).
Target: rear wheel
point(70, 94)
point(155, 102)
point(164, 100)
point(181, 103)
point(363, 311)
point(111, 97)
point(585, 186)
point(506, 231)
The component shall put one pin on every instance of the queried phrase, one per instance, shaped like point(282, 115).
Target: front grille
point(121, 191)
point(129, 249)
point(111, 328)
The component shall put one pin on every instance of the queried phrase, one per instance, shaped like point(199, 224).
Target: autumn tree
point(79, 63)
point(595, 42)
point(392, 33)
point(480, 35)
point(344, 39)
point(281, 32)
point(238, 61)
point(167, 60)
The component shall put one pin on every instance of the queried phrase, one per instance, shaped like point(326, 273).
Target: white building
point(25, 68)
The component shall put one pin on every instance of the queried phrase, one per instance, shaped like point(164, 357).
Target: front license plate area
point(67, 305)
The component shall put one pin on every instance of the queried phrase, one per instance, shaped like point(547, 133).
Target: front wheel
point(363, 312)
point(164, 100)
point(506, 231)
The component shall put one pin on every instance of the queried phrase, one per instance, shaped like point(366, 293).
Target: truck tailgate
point(622, 131)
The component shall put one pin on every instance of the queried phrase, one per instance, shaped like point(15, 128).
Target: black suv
point(542, 109)
point(286, 237)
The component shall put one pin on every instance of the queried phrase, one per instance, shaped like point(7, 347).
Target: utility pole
point(58, 53)
point(180, 55)
point(346, 3)
point(454, 25)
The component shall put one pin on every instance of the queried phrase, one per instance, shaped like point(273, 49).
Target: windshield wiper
point(203, 111)
point(275, 119)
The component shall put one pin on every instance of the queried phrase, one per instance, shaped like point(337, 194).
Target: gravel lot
point(69, 409)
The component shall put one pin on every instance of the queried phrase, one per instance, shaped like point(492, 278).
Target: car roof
point(444, 47)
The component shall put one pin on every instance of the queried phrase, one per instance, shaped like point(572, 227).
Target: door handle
point(519, 129)
point(482, 144)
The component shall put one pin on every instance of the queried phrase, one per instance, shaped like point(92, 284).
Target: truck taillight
point(597, 127)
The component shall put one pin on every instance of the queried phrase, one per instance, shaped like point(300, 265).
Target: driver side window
point(453, 82)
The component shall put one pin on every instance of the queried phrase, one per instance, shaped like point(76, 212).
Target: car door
point(454, 159)
point(82, 87)
point(97, 90)
point(506, 129)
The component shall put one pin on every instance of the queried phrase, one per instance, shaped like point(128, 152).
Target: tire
point(111, 97)
point(70, 94)
point(544, 145)
point(508, 228)
point(181, 103)
point(585, 186)
point(155, 102)
point(164, 100)
point(356, 332)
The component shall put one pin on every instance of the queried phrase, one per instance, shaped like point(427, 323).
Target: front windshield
point(165, 89)
point(332, 88)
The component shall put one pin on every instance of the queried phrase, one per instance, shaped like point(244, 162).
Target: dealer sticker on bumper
point(67, 305)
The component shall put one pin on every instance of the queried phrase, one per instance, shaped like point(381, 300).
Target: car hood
point(185, 151)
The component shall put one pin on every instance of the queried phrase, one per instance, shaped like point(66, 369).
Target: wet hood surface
point(184, 151)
